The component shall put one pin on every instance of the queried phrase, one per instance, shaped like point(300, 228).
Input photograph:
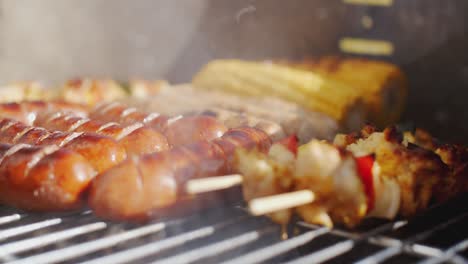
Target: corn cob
point(309, 90)
point(382, 86)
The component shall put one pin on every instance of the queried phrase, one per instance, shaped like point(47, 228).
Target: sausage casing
point(138, 187)
point(27, 111)
point(136, 138)
point(178, 130)
point(45, 178)
point(101, 151)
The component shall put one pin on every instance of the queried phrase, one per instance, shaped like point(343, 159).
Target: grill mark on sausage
point(78, 123)
point(128, 111)
point(173, 119)
point(37, 157)
point(45, 136)
point(109, 107)
point(13, 150)
point(53, 116)
point(69, 138)
point(20, 134)
point(128, 130)
point(107, 125)
point(68, 116)
point(151, 117)
point(7, 126)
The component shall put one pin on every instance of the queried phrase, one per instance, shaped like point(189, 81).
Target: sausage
point(27, 111)
point(178, 130)
point(186, 130)
point(136, 138)
point(43, 178)
point(119, 112)
point(155, 181)
point(101, 151)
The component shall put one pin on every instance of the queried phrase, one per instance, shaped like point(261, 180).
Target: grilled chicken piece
point(371, 174)
point(418, 171)
point(266, 175)
point(454, 156)
point(329, 172)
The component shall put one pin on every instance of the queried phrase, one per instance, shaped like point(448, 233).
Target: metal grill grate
point(230, 235)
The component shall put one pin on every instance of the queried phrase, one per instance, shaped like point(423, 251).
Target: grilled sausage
point(47, 178)
point(119, 112)
point(136, 139)
point(102, 152)
point(27, 111)
point(156, 181)
point(178, 130)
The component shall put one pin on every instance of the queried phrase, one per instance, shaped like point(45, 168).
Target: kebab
point(375, 174)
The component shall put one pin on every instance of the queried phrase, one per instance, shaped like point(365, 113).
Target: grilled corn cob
point(382, 86)
point(310, 90)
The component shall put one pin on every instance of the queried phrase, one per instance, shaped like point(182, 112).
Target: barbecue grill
point(416, 39)
point(228, 234)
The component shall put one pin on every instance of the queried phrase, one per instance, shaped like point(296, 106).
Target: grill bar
point(9, 218)
point(326, 253)
point(216, 248)
point(449, 254)
point(279, 248)
point(153, 248)
point(225, 235)
point(23, 245)
point(408, 244)
point(84, 248)
point(19, 230)
point(160, 245)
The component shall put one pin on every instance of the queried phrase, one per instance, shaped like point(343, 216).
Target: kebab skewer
point(374, 174)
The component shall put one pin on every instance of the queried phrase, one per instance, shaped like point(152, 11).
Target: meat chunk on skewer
point(371, 174)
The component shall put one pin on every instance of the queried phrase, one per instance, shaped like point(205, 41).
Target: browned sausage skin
point(46, 178)
point(136, 138)
point(27, 111)
point(119, 112)
point(178, 130)
point(190, 129)
point(102, 152)
point(156, 181)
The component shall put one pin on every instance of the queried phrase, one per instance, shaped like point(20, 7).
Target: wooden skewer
point(209, 184)
point(278, 202)
point(257, 206)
